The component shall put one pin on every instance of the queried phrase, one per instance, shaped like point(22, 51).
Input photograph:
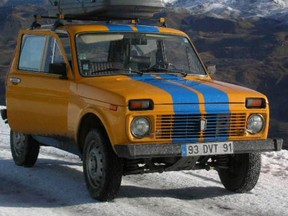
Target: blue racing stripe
point(127, 28)
point(184, 100)
point(120, 28)
point(147, 29)
point(216, 101)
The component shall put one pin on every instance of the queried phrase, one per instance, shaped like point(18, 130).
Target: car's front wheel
point(102, 168)
point(243, 172)
point(24, 149)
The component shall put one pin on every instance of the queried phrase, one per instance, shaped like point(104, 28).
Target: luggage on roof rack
point(105, 9)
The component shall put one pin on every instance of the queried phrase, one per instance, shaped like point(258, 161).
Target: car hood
point(165, 90)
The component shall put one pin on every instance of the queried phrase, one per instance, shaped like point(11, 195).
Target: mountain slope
point(8, 3)
point(274, 9)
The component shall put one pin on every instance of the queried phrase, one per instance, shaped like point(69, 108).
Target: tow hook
point(4, 115)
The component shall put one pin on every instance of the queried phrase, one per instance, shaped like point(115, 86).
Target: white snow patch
point(241, 8)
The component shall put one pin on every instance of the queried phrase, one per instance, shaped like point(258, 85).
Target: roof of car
point(78, 28)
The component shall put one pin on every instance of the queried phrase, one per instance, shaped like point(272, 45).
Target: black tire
point(24, 149)
point(102, 168)
point(243, 173)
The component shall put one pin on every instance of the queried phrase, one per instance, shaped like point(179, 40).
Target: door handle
point(15, 80)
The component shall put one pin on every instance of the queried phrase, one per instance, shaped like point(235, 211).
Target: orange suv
point(131, 99)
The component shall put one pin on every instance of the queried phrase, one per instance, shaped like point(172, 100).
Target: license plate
point(215, 148)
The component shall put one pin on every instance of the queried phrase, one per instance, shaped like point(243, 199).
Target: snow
point(55, 186)
point(276, 9)
point(168, 1)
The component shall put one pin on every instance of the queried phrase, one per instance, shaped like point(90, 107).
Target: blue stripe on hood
point(184, 100)
point(216, 101)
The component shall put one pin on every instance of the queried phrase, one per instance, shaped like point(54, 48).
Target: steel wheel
point(24, 149)
point(102, 168)
point(19, 144)
point(95, 164)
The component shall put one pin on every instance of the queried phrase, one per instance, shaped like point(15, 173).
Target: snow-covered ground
point(55, 186)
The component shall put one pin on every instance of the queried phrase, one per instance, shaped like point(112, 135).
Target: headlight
point(255, 123)
point(140, 127)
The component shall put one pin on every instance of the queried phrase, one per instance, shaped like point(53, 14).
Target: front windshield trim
point(140, 72)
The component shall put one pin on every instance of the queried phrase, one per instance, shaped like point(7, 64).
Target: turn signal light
point(254, 103)
point(137, 105)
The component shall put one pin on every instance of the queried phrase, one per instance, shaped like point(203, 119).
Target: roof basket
point(105, 9)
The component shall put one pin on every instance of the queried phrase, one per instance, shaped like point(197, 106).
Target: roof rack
point(60, 17)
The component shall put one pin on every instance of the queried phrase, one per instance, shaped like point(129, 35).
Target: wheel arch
point(88, 121)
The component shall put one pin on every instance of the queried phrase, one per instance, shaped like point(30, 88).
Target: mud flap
point(4, 115)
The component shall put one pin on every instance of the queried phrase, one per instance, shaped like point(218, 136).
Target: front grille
point(189, 127)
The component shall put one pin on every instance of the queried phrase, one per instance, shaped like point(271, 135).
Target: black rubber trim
point(4, 115)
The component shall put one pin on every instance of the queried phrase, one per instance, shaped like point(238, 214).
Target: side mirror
point(211, 69)
point(58, 68)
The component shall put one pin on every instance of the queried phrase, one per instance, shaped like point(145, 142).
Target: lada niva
point(131, 99)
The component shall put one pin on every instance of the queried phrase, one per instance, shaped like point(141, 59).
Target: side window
point(53, 56)
point(66, 45)
point(57, 56)
point(41, 54)
point(32, 53)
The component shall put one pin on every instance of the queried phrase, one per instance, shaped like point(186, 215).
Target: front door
point(38, 93)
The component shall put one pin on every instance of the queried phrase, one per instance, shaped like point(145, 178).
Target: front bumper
point(133, 151)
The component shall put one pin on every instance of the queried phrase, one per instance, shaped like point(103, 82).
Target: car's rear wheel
point(102, 168)
point(243, 172)
point(24, 149)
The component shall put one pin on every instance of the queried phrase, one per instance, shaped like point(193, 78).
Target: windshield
point(107, 54)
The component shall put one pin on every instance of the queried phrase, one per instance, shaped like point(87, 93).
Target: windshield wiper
point(160, 69)
point(107, 70)
point(118, 69)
